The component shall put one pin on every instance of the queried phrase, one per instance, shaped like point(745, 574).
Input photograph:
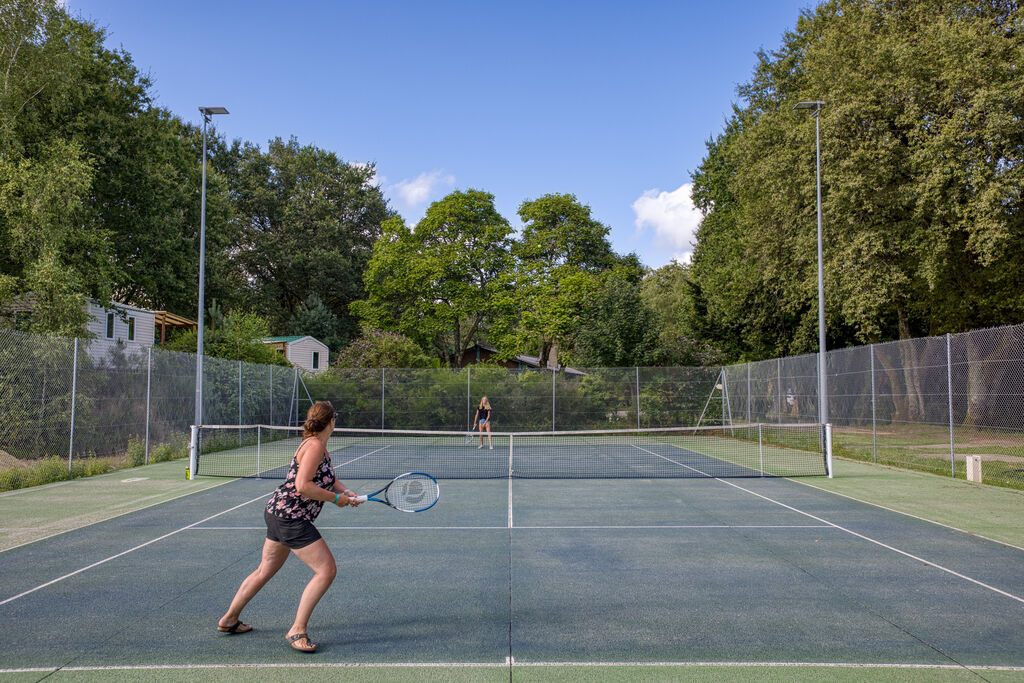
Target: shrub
point(135, 453)
point(48, 470)
point(167, 451)
point(14, 478)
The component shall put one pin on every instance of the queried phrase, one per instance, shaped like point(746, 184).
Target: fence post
point(748, 393)
point(149, 373)
point(874, 429)
point(638, 398)
point(74, 392)
point(778, 364)
point(240, 401)
point(949, 396)
point(382, 398)
point(760, 448)
point(552, 399)
point(469, 400)
point(271, 394)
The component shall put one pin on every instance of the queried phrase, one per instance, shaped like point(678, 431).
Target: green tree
point(313, 318)
point(559, 256)
point(94, 179)
point(379, 349)
point(239, 337)
point(306, 223)
point(921, 160)
point(670, 295)
point(441, 283)
point(617, 327)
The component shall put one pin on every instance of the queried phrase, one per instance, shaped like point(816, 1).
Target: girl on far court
point(483, 419)
point(289, 516)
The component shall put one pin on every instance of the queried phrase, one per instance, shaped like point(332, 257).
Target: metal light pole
point(815, 109)
point(207, 112)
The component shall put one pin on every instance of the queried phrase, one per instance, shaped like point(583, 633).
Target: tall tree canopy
point(441, 282)
point(921, 146)
point(306, 223)
point(97, 187)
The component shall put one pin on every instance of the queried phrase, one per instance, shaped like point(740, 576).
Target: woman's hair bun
point(318, 417)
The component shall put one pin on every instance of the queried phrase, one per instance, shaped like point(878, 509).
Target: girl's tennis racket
point(409, 492)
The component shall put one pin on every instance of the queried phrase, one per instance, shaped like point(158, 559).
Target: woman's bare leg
point(274, 555)
point(319, 558)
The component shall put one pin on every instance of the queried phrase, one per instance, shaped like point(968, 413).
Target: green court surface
point(528, 580)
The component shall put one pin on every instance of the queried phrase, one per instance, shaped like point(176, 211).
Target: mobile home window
point(110, 325)
point(131, 329)
point(316, 360)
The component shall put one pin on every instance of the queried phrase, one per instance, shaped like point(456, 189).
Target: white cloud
point(422, 188)
point(674, 218)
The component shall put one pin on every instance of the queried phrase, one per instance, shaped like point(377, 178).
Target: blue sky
point(610, 101)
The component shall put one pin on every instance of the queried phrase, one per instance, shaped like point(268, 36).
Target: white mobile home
point(308, 353)
point(136, 329)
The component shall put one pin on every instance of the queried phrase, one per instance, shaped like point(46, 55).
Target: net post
point(193, 451)
point(259, 470)
point(828, 449)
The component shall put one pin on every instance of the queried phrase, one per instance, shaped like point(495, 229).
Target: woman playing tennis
point(289, 516)
point(483, 419)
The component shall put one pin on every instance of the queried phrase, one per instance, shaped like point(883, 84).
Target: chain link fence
point(923, 403)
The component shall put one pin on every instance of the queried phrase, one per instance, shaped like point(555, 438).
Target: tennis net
point(750, 450)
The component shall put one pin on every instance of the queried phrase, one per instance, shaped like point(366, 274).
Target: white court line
point(120, 514)
point(363, 455)
point(354, 528)
point(491, 528)
point(141, 545)
point(907, 514)
point(689, 526)
point(458, 665)
point(853, 533)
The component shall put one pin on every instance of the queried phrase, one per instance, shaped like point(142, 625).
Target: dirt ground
point(8, 461)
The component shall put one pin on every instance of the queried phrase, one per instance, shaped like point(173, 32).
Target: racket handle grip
point(361, 499)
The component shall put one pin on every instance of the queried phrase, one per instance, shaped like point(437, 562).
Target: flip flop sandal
point(237, 627)
point(292, 640)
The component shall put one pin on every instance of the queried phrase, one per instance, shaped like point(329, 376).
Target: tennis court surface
point(510, 578)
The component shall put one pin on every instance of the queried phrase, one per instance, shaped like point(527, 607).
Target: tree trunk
point(987, 366)
point(915, 410)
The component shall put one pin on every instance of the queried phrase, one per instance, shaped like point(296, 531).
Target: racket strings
point(413, 492)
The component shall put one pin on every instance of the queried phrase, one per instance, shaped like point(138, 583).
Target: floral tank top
point(288, 503)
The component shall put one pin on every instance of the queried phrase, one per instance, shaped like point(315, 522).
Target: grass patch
point(52, 468)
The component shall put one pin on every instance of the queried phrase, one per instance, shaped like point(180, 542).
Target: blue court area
point(504, 572)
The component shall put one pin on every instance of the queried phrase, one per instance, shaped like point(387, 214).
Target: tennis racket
point(409, 492)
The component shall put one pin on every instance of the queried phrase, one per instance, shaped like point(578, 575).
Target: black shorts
point(292, 533)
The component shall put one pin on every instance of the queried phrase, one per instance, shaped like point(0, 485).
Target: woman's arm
point(309, 460)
